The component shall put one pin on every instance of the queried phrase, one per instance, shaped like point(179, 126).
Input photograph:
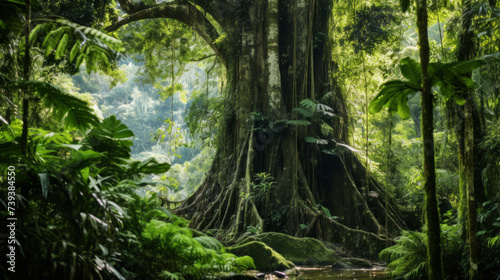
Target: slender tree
point(466, 154)
point(26, 77)
point(431, 207)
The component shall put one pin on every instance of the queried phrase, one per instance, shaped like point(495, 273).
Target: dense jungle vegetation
point(196, 139)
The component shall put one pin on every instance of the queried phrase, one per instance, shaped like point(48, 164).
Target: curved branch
point(129, 7)
point(182, 11)
point(220, 10)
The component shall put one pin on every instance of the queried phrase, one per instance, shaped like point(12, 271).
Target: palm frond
point(75, 112)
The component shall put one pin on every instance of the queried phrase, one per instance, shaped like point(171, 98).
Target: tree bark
point(434, 256)
point(467, 183)
point(278, 53)
point(26, 76)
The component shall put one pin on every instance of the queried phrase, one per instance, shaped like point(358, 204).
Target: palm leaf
point(75, 112)
point(393, 94)
point(411, 71)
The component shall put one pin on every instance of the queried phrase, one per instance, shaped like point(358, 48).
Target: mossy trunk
point(467, 182)
point(434, 256)
point(280, 56)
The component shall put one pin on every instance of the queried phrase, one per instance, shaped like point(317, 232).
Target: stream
point(327, 273)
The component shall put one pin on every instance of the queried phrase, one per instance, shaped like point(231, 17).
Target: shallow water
point(327, 273)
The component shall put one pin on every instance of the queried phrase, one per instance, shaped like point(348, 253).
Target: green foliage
point(75, 112)
point(326, 211)
point(172, 248)
point(77, 43)
point(372, 25)
point(408, 257)
point(84, 224)
point(10, 19)
point(449, 77)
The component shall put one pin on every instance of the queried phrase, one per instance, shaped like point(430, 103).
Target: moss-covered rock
point(300, 251)
point(265, 258)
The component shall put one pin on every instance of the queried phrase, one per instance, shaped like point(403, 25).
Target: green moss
point(301, 251)
point(265, 258)
point(357, 263)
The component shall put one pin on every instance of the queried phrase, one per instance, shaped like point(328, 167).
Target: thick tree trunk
point(434, 256)
point(285, 58)
point(277, 53)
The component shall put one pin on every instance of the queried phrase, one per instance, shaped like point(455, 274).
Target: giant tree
point(277, 54)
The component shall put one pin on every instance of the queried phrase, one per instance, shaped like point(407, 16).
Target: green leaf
point(308, 104)
point(82, 159)
point(403, 108)
point(36, 32)
point(209, 242)
point(61, 48)
point(75, 113)
point(85, 173)
point(459, 100)
point(393, 94)
point(115, 129)
point(52, 39)
point(411, 70)
point(464, 67)
point(45, 183)
point(74, 50)
point(79, 60)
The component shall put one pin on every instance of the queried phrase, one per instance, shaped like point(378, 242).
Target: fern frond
point(75, 112)
point(325, 97)
point(304, 112)
point(308, 104)
point(209, 242)
point(323, 107)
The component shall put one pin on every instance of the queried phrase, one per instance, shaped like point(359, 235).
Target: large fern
point(76, 43)
point(447, 76)
point(408, 257)
point(75, 113)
